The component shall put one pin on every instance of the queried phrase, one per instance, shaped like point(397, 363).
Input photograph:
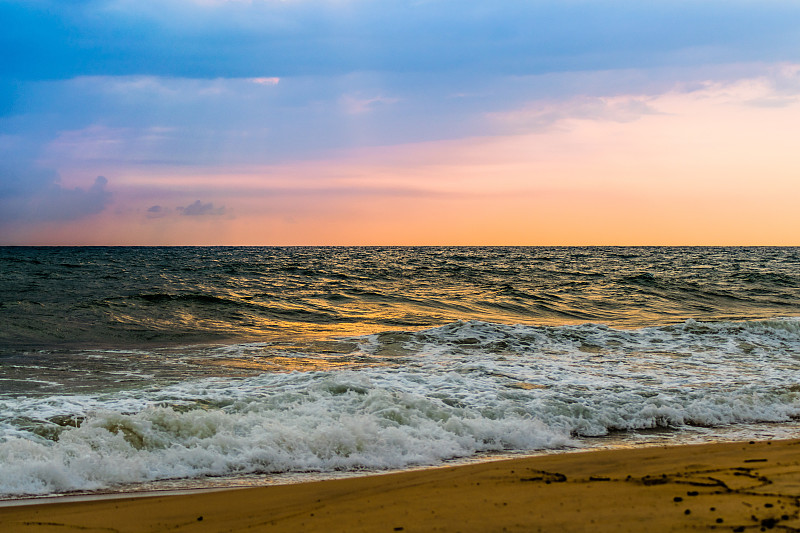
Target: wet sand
point(746, 486)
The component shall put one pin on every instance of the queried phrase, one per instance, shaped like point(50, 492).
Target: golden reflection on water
point(287, 330)
point(279, 364)
point(286, 354)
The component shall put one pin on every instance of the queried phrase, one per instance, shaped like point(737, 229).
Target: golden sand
point(725, 487)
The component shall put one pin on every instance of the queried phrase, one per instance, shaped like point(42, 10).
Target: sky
point(389, 122)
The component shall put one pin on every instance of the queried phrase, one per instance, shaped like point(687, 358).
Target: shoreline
point(730, 486)
point(646, 438)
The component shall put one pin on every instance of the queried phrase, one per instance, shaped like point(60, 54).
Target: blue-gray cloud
point(198, 209)
point(30, 194)
point(51, 39)
point(156, 211)
point(149, 122)
point(175, 82)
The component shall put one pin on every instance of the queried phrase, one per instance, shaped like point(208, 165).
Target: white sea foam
point(440, 393)
point(339, 422)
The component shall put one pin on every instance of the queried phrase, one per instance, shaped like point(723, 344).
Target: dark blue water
point(131, 296)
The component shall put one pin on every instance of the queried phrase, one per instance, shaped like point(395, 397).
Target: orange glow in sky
point(400, 123)
point(708, 166)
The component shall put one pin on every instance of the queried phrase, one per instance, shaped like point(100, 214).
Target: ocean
point(128, 369)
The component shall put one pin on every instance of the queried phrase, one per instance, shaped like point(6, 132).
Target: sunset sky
point(451, 122)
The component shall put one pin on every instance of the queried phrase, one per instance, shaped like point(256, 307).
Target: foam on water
point(426, 396)
point(308, 422)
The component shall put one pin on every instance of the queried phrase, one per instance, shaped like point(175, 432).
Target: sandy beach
point(745, 486)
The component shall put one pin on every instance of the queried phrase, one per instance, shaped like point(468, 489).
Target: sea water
point(132, 368)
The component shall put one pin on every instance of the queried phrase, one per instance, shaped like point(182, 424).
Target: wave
point(423, 397)
point(340, 423)
point(136, 296)
point(337, 423)
point(190, 298)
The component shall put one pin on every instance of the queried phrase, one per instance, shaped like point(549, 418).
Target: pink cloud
point(703, 166)
point(265, 81)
